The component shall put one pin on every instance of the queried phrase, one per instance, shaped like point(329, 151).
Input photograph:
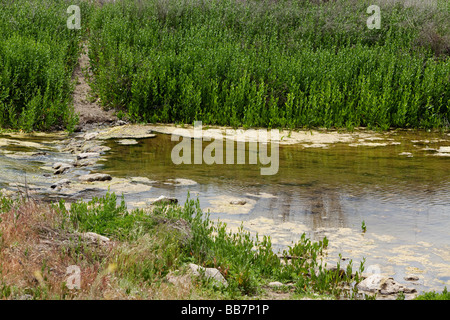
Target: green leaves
point(37, 56)
point(255, 64)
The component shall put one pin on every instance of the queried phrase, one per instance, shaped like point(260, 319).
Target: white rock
point(95, 177)
point(92, 236)
point(209, 273)
point(275, 284)
point(383, 285)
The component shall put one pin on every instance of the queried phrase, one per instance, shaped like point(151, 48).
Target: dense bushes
point(252, 63)
point(37, 56)
point(266, 63)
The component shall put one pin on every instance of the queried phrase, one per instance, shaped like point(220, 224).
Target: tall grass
point(273, 63)
point(37, 56)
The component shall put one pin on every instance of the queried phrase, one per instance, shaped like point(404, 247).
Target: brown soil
point(89, 111)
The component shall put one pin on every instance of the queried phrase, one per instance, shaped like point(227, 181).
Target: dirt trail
point(91, 114)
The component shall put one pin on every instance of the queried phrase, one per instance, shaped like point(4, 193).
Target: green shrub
point(433, 295)
point(37, 56)
point(274, 64)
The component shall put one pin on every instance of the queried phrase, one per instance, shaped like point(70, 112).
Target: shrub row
point(273, 64)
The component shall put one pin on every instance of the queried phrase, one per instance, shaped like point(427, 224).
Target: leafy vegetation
point(433, 295)
point(37, 56)
point(242, 63)
point(147, 248)
point(273, 63)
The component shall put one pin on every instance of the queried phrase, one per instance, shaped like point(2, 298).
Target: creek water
point(397, 185)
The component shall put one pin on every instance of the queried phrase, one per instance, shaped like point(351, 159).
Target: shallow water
point(403, 199)
point(396, 182)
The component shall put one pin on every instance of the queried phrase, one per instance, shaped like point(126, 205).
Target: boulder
point(85, 163)
point(209, 273)
point(95, 148)
point(383, 285)
point(411, 278)
point(94, 237)
point(275, 284)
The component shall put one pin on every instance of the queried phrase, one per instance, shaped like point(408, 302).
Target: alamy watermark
point(190, 151)
point(73, 280)
point(74, 20)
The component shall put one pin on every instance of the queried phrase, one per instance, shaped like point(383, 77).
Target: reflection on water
point(401, 191)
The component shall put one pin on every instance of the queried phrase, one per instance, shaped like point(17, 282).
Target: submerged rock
point(127, 142)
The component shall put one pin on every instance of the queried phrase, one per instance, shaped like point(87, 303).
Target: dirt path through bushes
point(89, 111)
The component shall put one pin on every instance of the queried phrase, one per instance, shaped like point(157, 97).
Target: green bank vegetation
point(251, 63)
point(273, 63)
point(38, 242)
point(37, 56)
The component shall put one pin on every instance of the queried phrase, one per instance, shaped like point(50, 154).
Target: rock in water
point(60, 183)
point(164, 199)
point(127, 142)
point(239, 202)
point(87, 155)
point(60, 167)
point(95, 177)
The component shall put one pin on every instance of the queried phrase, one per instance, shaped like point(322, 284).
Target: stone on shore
point(383, 285)
point(209, 273)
